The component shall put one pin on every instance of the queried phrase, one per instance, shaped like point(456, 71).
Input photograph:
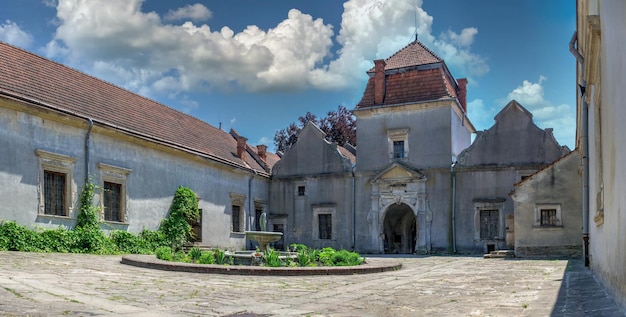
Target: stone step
point(499, 254)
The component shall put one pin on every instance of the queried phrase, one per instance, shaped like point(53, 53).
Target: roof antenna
point(415, 21)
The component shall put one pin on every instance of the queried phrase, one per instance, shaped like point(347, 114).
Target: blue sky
point(256, 66)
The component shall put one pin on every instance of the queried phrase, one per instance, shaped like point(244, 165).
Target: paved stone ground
point(35, 284)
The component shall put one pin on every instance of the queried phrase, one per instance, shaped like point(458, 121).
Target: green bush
point(89, 214)
point(57, 240)
point(176, 227)
point(304, 257)
point(151, 239)
point(207, 257)
point(18, 238)
point(220, 256)
point(194, 254)
point(127, 242)
point(271, 258)
point(91, 240)
point(164, 253)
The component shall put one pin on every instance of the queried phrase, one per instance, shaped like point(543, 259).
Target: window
point(237, 214)
point(489, 224)
point(257, 219)
point(114, 195)
point(56, 188)
point(301, 190)
point(398, 149)
point(323, 227)
point(54, 193)
point(112, 201)
point(398, 143)
point(548, 215)
point(325, 222)
point(236, 219)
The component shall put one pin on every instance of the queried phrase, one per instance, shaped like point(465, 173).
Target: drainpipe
point(353, 210)
point(585, 145)
point(87, 141)
point(453, 174)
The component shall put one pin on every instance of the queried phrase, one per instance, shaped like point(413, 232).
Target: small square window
point(301, 190)
point(548, 218)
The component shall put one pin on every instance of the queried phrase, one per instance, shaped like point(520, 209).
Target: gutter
point(353, 210)
point(584, 143)
point(453, 175)
point(87, 141)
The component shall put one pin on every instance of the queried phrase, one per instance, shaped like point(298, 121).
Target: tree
point(339, 126)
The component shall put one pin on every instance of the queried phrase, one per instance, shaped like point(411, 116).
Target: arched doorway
point(399, 227)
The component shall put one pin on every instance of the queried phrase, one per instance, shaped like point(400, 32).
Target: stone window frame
point(117, 175)
point(396, 135)
point(324, 210)
point(238, 200)
point(497, 205)
point(58, 163)
point(548, 206)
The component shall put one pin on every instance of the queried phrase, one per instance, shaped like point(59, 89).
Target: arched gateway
point(399, 216)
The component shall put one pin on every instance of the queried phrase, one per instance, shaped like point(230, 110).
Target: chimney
point(261, 150)
point(241, 147)
point(379, 81)
point(462, 93)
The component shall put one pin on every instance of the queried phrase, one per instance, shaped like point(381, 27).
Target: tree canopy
point(339, 126)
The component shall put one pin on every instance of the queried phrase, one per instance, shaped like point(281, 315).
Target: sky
point(256, 66)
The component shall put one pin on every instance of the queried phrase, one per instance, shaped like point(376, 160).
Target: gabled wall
point(555, 187)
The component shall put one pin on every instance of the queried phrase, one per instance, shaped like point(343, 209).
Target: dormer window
point(398, 143)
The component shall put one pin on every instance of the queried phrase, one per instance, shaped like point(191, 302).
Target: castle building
point(416, 183)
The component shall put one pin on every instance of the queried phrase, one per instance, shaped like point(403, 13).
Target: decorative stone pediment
point(398, 173)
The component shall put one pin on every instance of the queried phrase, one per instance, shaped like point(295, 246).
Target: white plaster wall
point(608, 256)
point(151, 185)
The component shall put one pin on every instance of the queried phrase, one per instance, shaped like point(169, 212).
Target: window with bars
point(301, 190)
point(112, 201)
point(236, 219)
point(54, 193)
point(549, 218)
point(398, 149)
point(325, 223)
point(489, 224)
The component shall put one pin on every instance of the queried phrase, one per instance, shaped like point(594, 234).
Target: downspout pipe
point(353, 210)
point(453, 175)
point(584, 136)
point(87, 142)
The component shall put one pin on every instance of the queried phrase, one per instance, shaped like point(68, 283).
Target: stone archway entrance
point(400, 230)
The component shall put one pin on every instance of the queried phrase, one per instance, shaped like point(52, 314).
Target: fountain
point(263, 237)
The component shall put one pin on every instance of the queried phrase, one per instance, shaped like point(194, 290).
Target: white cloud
point(194, 12)
point(137, 50)
point(562, 118)
point(11, 33)
point(265, 141)
point(233, 120)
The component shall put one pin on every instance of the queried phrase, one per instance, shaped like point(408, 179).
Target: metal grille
point(325, 226)
point(236, 218)
point(548, 217)
point(489, 224)
point(112, 201)
point(398, 149)
point(54, 193)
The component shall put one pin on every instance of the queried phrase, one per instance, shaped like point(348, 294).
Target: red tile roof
point(414, 54)
point(43, 82)
point(411, 86)
point(413, 74)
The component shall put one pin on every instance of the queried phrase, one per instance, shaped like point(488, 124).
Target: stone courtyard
point(35, 284)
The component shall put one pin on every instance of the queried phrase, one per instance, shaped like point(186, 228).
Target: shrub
point(89, 214)
point(220, 256)
point(207, 257)
point(176, 227)
point(151, 240)
point(180, 257)
point(304, 257)
point(271, 258)
point(127, 242)
point(57, 240)
point(194, 254)
point(18, 238)
point(92, 240)
point(164, 253)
